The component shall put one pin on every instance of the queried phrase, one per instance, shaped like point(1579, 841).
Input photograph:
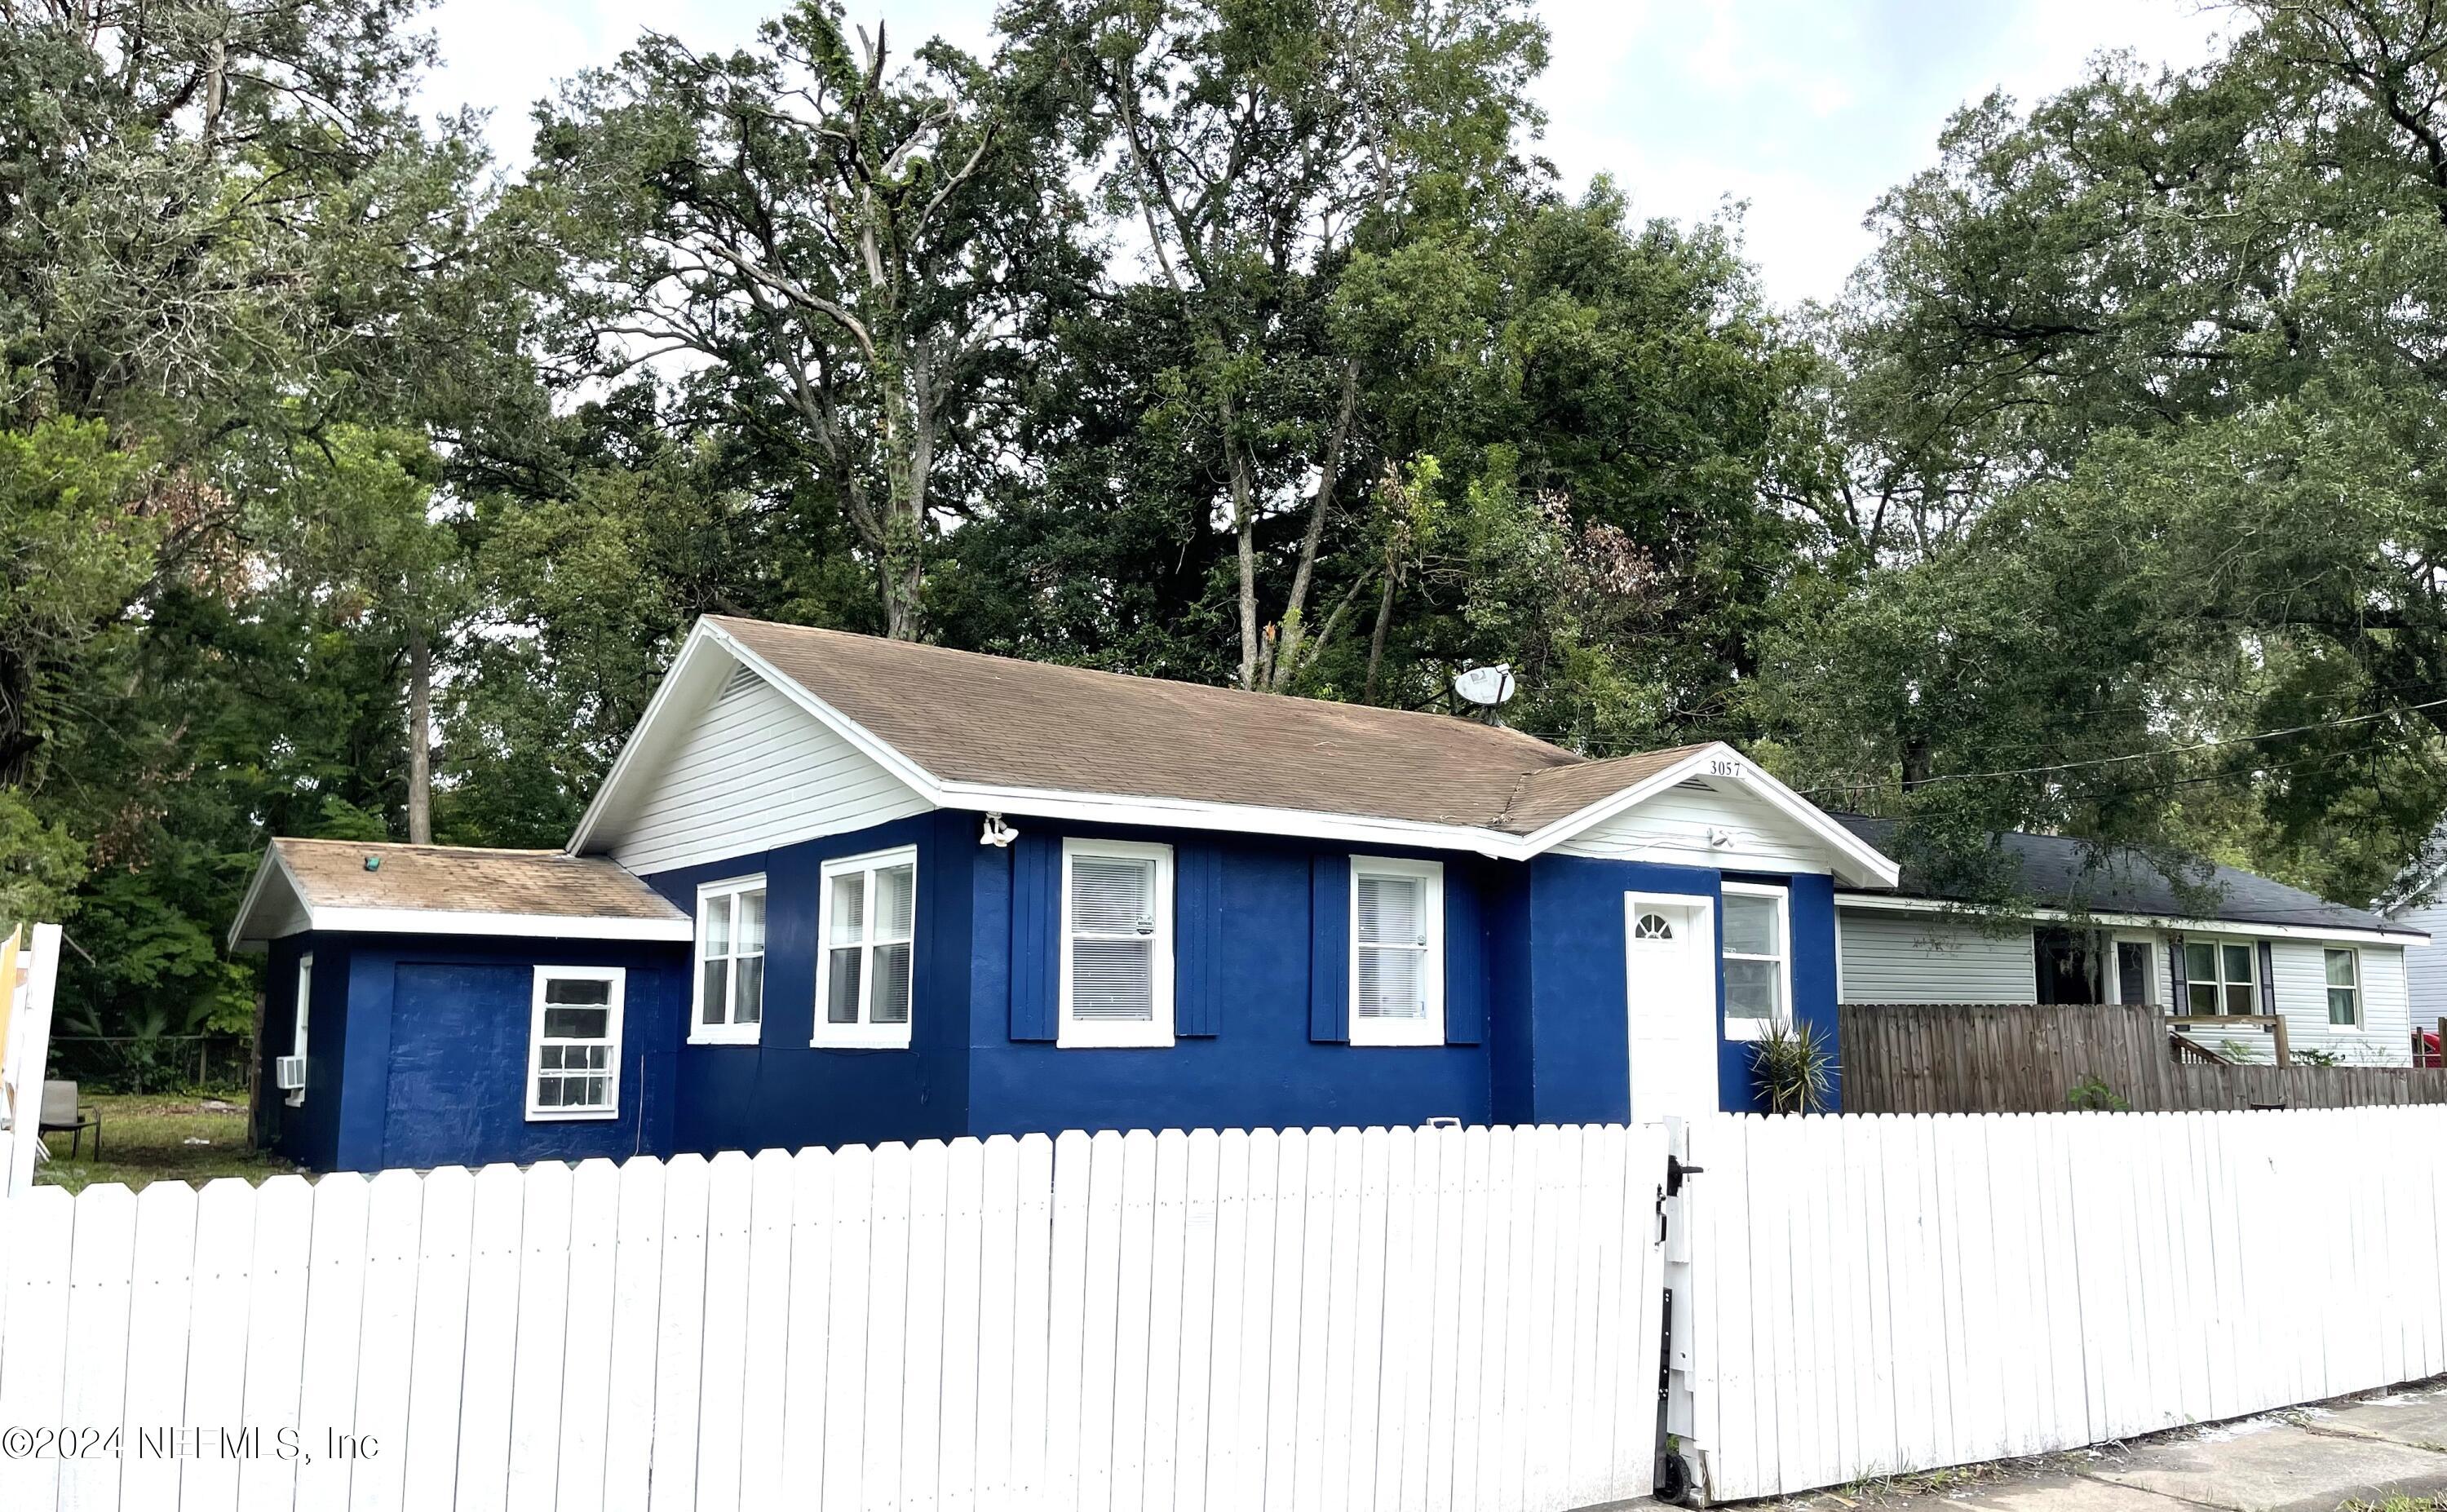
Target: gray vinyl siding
point(756, 771)
point(2426, 966)
point(1931, 958)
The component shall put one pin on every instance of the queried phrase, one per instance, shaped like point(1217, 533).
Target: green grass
point(2398, 1504)
point(159, 1139)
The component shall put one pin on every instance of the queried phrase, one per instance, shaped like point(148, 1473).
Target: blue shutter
point(1036, 935)
point(2268, 980)
point(1198, 940)
point(2178, 988)
point(1329, 949)
point(1465, 958)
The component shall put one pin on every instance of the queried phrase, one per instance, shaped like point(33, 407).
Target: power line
point(2214, 743)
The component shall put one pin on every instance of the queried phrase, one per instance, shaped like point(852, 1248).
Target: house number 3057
point(1719, 766)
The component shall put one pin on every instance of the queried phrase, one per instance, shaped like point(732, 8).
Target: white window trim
point(1157, 1033)
point(2362, 1000)
point(1751, 1029)
point(296, 1097)
point(618, 977)
point(2150, 955)
point(701, 1032)
point(861, 1035)
point(2252, 956)
point(1429, 1028)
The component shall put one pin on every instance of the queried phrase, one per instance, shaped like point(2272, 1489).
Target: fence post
point(2285, 1056)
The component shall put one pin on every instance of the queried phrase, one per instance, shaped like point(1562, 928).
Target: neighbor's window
point(1397, 977)
point(574, 1058)
point(2218, 977)
point(730, 961)
point(1757, 980)
point(1116, 944)
point(868, 918)
point(2344, 987)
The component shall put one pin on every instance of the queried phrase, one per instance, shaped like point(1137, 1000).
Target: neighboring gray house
point(2426, 972)
point(2116, 928)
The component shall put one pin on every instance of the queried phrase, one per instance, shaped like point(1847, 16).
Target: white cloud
point(1806, 109)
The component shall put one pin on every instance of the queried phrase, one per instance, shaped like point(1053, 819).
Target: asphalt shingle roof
point(2062, 872)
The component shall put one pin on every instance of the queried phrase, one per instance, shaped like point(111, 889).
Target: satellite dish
point(1490, 686)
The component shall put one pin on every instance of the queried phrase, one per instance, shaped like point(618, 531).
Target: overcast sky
point(1805, 110)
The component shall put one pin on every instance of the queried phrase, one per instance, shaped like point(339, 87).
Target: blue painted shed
point(847, 890)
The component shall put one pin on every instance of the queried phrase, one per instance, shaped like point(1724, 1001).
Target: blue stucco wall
point(420, 1045)
point(1811, 921)
point(1260, 1064)
point(309, 1133)
point(782, 1092)
point(418, 1049)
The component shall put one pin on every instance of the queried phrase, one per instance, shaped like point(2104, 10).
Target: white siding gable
point(1932, 958)
point(1674, 825)
point(753, 772)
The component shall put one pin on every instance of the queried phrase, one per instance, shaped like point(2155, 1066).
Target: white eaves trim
point(264, 873)
point(476, 921)
point(1857, 862)
point(2206, 926)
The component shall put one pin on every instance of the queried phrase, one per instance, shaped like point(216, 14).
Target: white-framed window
point(868, 918)
point(2344, 968)
point(1397, 952)
point(1116, 944)
point(729, 1008)
point(2220, 976)
point(1755, 943)
point(2136, 970)
point(573, 1042)
point(304, 1012)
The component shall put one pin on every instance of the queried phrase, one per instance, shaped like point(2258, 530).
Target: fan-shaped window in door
point(1652, 926)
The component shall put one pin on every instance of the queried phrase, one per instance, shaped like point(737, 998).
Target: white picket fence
point(1887, 1293)
point(1391, 1318)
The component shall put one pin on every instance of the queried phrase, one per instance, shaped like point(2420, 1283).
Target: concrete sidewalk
point(2314, 1459)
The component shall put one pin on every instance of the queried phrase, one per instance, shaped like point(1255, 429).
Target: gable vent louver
point(742, 679)
point(1694, 784)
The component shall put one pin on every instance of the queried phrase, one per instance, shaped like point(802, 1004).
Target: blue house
point(845, 890)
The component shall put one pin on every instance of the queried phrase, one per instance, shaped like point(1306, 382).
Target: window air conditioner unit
point(289, 1073)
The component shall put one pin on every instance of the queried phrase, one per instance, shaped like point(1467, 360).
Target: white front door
point(1670, 979)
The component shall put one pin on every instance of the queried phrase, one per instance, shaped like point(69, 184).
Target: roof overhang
point(275, 907)
point(709, 653)
point(1893, 904)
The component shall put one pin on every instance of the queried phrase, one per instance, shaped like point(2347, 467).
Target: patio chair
point(61, 1112)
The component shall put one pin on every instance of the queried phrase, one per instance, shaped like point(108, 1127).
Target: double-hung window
point(869, 916)
point(573, 1042)
point(2219, 978)
point(2344, 987)
point(729, 962)
point(1116, 944)
point(1397, 977)
point(1757, 961)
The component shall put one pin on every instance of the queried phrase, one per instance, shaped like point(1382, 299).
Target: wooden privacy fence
point(2026, 1058)
point(1433, 1318)
point(1880, 1295)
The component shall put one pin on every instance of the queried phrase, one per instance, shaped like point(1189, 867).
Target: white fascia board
point(476, 922)
point(1242, 819)
point(1888, 903)
point(1859, 862)
point(271, 865)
